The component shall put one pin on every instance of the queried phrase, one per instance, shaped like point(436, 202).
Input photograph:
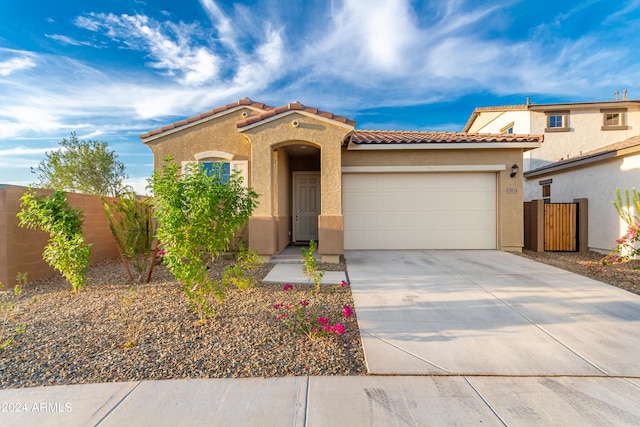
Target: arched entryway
point(298, 192)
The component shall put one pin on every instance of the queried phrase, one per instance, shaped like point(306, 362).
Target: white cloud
point(15, 64)
point(172, 46)
point(67, 40)
point(224, 26)
point(20, 151)
point(367, 36)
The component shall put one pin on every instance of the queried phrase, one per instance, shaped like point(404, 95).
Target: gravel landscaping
point(82, 338)
point(625, 276)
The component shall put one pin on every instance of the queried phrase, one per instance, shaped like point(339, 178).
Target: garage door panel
point(420, 211)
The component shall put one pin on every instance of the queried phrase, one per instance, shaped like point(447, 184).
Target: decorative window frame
point(241, 166)
point(622, 114)
point(565, 121)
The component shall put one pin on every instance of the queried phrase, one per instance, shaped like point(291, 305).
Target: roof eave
point(182, 127)
point(347, 125)
point(582, 161)
point(444, 146)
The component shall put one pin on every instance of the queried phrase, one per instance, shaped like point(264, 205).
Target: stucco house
point(320, 178)
point(590, 149)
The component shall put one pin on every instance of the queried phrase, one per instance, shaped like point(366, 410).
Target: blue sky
point(111, 70)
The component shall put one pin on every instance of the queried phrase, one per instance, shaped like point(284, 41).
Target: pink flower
point(346, 311)
point(338, 328)
point(277, 306)
point(326, 327)
point(323, 320)
point(343, 284)
point(304, 303)
point(287, 287)
point(282, 316)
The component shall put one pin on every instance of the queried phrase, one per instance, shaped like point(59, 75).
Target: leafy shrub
point(242, 274)
point(199, 214)
point(66, 250)
point(132, 226)
point(310, 265)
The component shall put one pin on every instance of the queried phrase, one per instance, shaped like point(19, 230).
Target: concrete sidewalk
point(330, 401)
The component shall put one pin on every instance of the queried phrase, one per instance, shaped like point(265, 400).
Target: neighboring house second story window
point(508, 129)
point(614, 119)
point(557, 121)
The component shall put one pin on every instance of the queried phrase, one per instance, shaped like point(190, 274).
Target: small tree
point(81, 166)
point(199, 214)
point(132, 227)
point(66, 250)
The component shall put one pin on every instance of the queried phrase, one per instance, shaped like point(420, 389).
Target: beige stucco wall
point(219, 134)
point(275, 134)
point(584, 135)
point(509, 190)
point(21, 249)
point(494, 121)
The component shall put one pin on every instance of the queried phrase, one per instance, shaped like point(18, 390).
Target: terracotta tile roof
point(242, 102)
point(408, 137)
point(294, 106)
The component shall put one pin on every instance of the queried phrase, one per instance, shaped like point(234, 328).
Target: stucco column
point(262, 224)
point(331, 221)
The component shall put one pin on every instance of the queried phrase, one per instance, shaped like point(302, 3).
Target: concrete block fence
point(21, 249)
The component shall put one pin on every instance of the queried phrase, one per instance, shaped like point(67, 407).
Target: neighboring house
point(589, 150)
point(318, 178)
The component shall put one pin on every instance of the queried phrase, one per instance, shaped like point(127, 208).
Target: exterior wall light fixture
point(514, 170)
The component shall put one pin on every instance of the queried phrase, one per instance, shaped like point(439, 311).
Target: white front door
point(306, 206)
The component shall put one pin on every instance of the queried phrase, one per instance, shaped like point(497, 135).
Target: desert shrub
point(132, 226)
point(199, 215)
point(66, 250)
point(241, 275)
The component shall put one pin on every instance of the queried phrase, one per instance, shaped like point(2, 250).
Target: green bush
point(66, 250)
point(199, 215)
point(242, 274)
point(132, 227)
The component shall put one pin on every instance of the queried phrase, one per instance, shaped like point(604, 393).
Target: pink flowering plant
point(627, 247)
point(311, 315)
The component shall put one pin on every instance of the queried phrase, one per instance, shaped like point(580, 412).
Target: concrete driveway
point(490, 313)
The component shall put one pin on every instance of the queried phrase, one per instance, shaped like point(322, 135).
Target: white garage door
point(419, 210)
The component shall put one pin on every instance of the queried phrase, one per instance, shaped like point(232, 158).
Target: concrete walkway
point(288, 269)
point(461, 338)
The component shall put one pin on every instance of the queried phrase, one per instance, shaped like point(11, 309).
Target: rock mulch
point(625, 275)
point(82, 338)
